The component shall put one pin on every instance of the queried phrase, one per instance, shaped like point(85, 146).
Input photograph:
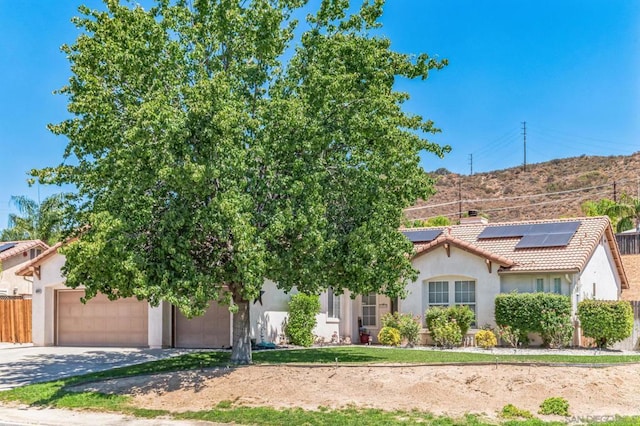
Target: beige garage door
point(212, 330)
point(101, 322)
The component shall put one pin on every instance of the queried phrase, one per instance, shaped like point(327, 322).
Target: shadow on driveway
point(21, 366)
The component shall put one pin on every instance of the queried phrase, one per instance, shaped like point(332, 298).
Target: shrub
point(509, 335)
point(606, 322)
point(389, 336)
point(555, 405)
point(463, 316)
point(302, 318)
point(557, 330)
point(434, 314)
point(410, 328)
point(542, 313)
point(486, 339)
point(391, 320)
point(446, 333)
point(510, 411)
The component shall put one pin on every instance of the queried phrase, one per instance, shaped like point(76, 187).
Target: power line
point(541, 203)
point(516, 197)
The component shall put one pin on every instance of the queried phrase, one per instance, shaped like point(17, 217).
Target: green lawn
point(55, 394)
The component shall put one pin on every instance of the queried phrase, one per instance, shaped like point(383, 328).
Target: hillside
point(548, 190)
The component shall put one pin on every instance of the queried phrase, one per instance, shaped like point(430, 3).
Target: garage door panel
point(101, 322)
point(211, 330)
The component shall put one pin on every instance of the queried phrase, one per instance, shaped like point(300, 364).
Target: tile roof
point(463, 245)
point(573, 257)
point(21, 246)
point(27, 269)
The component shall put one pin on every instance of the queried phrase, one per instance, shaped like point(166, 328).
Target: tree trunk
point(241, 352)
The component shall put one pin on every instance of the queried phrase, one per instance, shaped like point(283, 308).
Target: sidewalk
point(56, 417)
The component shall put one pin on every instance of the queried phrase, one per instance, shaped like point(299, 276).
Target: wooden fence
point(632, 343)
point(629, 242)
point(15, 319)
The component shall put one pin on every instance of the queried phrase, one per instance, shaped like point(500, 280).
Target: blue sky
point(569, 68)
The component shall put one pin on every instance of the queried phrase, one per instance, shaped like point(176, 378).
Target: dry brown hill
point(554, 189)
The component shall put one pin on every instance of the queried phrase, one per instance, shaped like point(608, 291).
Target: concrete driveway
point(25, 364)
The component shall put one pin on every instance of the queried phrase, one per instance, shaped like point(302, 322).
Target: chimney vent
point(473, 218)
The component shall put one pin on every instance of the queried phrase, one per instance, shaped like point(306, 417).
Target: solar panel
point(422, 235)
point(545, 240)
point(554, 228)
point(509, 231)
point(7, 246)
point(504, 231)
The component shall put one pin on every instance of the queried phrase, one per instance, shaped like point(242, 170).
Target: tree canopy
point(624, 214)
point(43, 221)
point(216, 144)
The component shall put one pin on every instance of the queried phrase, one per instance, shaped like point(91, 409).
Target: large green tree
point(217, 145)
point(43, 221)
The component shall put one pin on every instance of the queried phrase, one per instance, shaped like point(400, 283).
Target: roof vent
point(473, 218)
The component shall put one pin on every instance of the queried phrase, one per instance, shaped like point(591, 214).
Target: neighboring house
point(465, 264)
point(13, 254)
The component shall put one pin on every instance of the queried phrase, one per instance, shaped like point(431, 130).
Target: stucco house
point(59, 317)
point(473, 262)
point(13, 254)
point(466, 264)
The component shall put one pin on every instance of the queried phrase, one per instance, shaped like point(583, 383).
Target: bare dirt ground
point(450, 390)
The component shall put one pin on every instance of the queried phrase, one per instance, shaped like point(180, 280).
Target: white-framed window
point(438, 293)
point(33, 253)
point(333, 304)
point(557, 285)
point(369, 310)
point(539, 285)
point(465, 294)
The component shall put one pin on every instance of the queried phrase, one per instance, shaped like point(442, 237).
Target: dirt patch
point(451, 390)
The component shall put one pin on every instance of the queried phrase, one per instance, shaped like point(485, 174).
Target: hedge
point(302, 319)
point(607, 322)
point(544, 313)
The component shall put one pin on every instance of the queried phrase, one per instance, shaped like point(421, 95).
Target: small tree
point(607, 322)
point(302, 319)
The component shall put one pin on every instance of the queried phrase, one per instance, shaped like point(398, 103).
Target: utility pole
point(524, 135)
point(471, 163)
point(459, 199)
point(615, 192)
